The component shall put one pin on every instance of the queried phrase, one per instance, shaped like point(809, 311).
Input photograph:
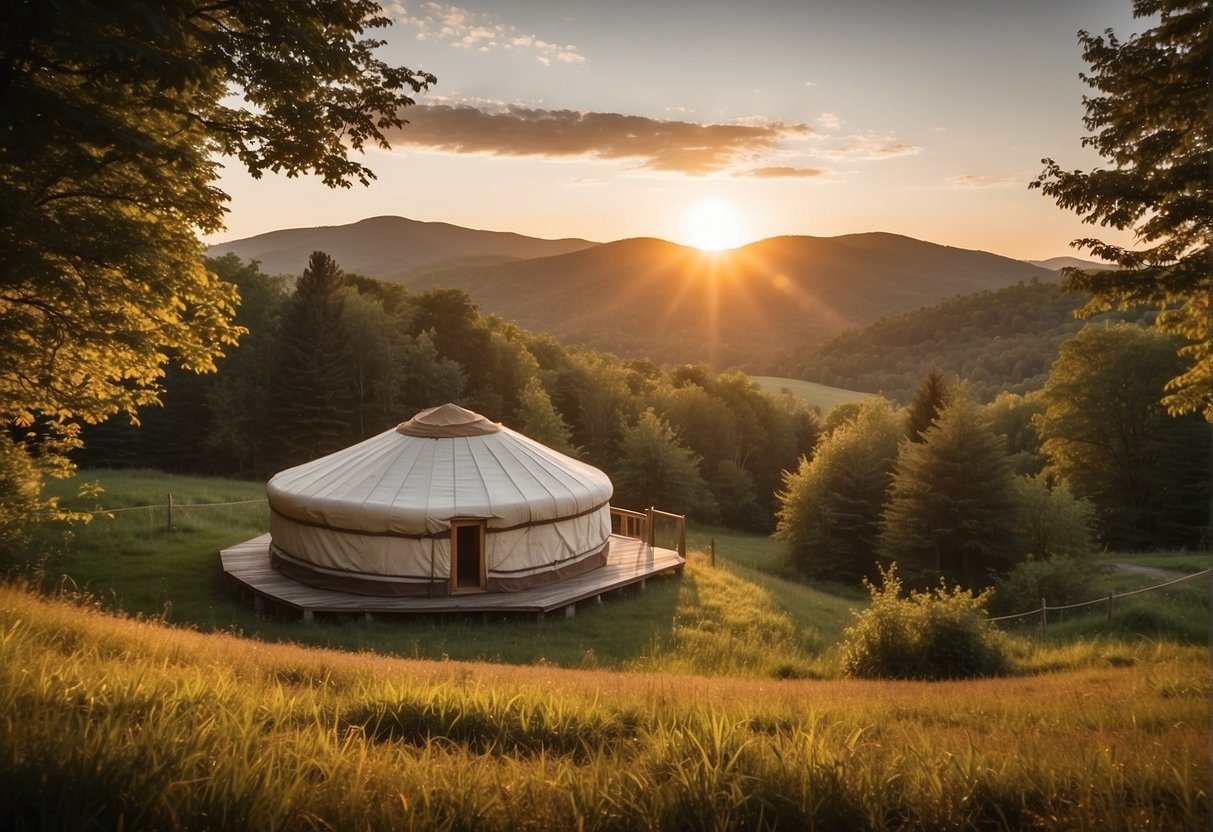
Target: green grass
point(821, 396)
point(131, 561)
point(114, 723)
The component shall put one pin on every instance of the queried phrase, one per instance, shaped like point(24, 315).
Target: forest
point(339, 357)
point(999, 340)
point(947, 486)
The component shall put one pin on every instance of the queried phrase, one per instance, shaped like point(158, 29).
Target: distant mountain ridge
point(648, 298)
point(380, 246)
point(1058, 263)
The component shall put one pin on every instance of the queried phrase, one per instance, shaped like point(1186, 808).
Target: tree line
point(338, 357)
point(999, 341)
point(946, 487)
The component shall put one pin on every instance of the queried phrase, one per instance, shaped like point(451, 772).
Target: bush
point(1060, 580)
point(938, 634)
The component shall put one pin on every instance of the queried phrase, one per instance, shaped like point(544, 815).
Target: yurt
point(447, 502)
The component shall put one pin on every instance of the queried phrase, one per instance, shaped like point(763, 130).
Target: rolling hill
point(647, 298)
point(382, 246)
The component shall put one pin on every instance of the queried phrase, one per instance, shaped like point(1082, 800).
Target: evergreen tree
point(830, 507)
point(951, 510)
point(929, 399)
point(314, 398)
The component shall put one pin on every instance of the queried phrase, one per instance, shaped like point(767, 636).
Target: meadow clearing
point(707, 702)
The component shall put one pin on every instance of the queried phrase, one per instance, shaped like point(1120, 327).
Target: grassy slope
point(822, 397)
point(113, 723)
point(738, 618)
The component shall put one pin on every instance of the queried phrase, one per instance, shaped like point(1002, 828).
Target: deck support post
point(308, 616)
point(258, 603)
point(570, 611)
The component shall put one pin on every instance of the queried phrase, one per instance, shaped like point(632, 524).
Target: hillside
point(647, 298)
point(382, 246)
point(1004, 339)
point(115, 723)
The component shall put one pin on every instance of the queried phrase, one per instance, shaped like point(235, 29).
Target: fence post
point(713, 551)
point(170, 511)
point(1111, 595)
point(1044, 619)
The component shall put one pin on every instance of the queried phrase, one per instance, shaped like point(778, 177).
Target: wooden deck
point(629, 562)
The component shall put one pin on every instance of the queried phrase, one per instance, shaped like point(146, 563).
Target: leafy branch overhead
point(113, 121)
point(1150, 120)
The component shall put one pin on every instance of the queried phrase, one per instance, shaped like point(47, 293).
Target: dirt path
point(1150, 571)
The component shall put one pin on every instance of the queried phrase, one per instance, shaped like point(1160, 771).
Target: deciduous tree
point(951, 510)
point(113, 119)
point(1107, 436)
point(831, 505)
point(1150, 121)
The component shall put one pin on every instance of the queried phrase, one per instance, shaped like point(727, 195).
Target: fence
point(173, 504)
point(1044, 609)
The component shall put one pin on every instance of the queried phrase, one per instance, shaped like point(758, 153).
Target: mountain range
point(648, 298)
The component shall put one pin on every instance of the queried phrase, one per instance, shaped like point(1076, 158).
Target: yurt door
point(467, 556)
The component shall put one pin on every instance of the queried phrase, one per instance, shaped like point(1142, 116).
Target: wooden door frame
point(482, 579)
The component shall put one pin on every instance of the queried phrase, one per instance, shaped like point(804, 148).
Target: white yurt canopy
point(421, 507)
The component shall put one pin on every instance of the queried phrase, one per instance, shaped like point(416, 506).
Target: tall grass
point(114, 723)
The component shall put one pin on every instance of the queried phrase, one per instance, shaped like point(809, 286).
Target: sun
point(713, 226)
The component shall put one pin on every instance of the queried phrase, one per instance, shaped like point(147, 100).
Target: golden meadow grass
point(110, 722)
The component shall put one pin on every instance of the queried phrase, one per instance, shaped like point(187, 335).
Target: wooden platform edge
point(247, 567)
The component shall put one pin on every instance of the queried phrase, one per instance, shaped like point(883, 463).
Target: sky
point(720, 123)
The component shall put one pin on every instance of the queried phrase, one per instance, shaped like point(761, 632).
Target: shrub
point(1060, 580)
point(938, 634)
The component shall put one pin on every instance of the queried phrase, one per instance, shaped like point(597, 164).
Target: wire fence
point(1044, 609)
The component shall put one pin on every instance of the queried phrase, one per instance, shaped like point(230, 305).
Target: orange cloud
point(781, 172)
point(673, 146)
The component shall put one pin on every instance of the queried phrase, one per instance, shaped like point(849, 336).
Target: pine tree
point(951, 510)
point(314, 399)
point(929, 399)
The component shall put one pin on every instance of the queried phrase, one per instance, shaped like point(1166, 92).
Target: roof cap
point(445, 421)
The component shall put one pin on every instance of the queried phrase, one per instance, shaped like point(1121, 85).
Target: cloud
point(828, 121)
point(867, 146)
point(979, 181)
point(682, 147)
point(781, 172)
point(464, 29)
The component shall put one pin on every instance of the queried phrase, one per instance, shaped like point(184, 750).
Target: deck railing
point(643, 525)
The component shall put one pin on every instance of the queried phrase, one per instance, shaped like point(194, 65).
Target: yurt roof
point(444, 463)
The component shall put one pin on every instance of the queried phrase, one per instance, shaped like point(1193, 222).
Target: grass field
point(117, 723)
point(822, 397)
point(706, 702)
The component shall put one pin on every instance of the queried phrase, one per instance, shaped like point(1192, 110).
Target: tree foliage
point(655, 469)
point(830, 507)
point(315, 384)
point(1150, 121)
point(113, 118)
point(929, 399)
point(1109, 439)
point(951, 510)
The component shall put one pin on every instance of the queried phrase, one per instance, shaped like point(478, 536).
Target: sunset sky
point(607, 120)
